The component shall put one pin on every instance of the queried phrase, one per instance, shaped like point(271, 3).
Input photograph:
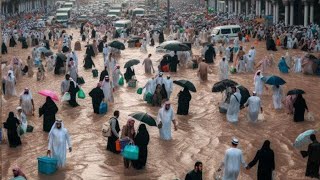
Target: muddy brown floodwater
point(203, 135)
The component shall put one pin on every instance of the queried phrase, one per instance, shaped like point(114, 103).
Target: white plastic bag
point(66, 97)
point(260, 117)
point(310, 116)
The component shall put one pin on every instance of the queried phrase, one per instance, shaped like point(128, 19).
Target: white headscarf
point(54, 126)
point(29, 94)
point(256, 74)
point(11, 76)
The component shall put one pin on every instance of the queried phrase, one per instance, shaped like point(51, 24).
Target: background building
point(18, 6)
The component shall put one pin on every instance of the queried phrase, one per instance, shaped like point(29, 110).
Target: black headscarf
point(266, 145)
point(142, 138)
point(12, 121)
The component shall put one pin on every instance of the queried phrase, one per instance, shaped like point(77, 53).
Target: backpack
point(106, 129)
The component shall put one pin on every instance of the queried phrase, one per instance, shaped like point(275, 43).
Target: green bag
point(139, 91)
point(20, 131)
point(29, 128)
point(121, 81)
point(81, 94)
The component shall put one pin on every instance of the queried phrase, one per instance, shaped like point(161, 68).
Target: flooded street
point(202, 135)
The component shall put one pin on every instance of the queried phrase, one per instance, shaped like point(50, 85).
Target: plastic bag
point(81, 94)
point(310, 116)
point(139, 91)
point(260, 117)
point(121, 81)
point(66, 97)
point(103, 108)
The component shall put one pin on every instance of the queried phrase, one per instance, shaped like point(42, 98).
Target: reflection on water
point(203, 135)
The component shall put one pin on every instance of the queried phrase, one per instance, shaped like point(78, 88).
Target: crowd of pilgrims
point(158, 89)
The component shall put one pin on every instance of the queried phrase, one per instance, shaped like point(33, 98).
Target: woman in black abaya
point(183, 102)
point(141, 140)
point(11, 125)
point(73, 89)
point(49, 110)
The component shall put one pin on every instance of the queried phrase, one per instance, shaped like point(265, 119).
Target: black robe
point(90, 51)
point(12, 42)
point(161, 38)
point(173, 63)
point(73, 89)
point(141, 140)
point(111, 146)
point(11, 125)
point(4, 49)
point(100, 46)
point(93, 34)
point(88, 62)
point(128, 74)
point(313, 163)
point(24, 44)
point(266, 164)
point(49, 110)
point(103, 74)
point(65, 49)
point(192, 175)
point(271, 45)
point(83, 37)
point(97, 97)
point(59, 64)
point(210, 54)
point(299, 108)
point(183, 102)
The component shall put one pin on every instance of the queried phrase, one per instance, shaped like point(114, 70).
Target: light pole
point(168, 14)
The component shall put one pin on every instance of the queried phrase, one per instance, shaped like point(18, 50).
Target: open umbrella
point(62, 56)
point(275, 80)
point(49, 93)
point(131, 62)
point(117, 45)
point(245, 94)
point(295, 91)
point(144, 117)
point(303, 139)
point(223, 85)
point(186, 84)
point(176, 47)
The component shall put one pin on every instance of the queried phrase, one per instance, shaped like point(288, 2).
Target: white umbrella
point(303, 139)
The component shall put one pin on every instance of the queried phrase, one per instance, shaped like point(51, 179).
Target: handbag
point(94, 72)
point(103, 108)
point(118, 146)
point(20, 130)
point(121, 81)
point(29, 128)
point(139, 91)
point(80, 80)
point(260, 117)
point(131, 152)
point(81, 94)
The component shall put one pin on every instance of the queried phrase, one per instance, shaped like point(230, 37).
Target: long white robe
point(73, 71)
point(23, 119)
point(116, 76)
point(107, 89)
point(254, 106)
point(232, 160)
point(65, 84)
point(58, 141)
point(258, 85)
point(166, 117)
point(150, 86)
point(10, 87)
point(223, 66)
point(277, 97)
point(297, 65)
point(234, 107)
point(168, 84)
point(159, 80)
point(26, 103)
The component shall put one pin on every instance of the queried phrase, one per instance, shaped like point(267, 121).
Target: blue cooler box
point(47, 165)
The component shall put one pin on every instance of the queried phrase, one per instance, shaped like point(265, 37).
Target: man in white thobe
point(232, 160)
point(223, 66)
point(234, 106)
point(254, 106)
point(107, 89)
point(65, 84)
point(252, 52)
point(105, 52)
point(58, 140)
point(168, 84)
point(164, 119)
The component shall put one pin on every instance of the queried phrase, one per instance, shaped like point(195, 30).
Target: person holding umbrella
point(174, 62)
point(183, 102)
point(313, 163)
point(299, 108)
point(49, 110)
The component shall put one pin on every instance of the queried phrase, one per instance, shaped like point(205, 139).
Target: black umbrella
point(176, 47)
point(223, 85)
point(144, 117)
point(295, 91)
point(131, 62)
point(186, 84)
point(48, 53)
point(117, 45)
point(244, 95)
point(62, 56)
